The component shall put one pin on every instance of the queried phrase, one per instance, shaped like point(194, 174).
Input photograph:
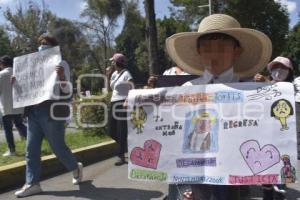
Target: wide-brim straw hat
point(257, 47)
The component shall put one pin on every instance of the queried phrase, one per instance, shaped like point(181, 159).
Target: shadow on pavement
point(293, 194)
point(257, 193)
point(89, 191)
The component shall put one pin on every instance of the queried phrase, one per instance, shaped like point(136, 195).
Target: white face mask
point(279, 74)
point(43, 47)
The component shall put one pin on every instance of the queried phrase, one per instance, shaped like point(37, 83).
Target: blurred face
point(279, 72)
point(113, 63)
point(44, 44)
point(117, 67)
point(202, 126)
point(1, 66)
point(218, 54)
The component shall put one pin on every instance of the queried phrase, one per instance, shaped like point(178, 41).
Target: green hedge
point(91, 114)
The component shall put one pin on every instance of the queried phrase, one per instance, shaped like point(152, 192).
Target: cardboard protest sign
point(35, 77)
point(233, 134)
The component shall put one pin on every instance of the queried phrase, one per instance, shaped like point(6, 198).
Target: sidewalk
point(104, 181)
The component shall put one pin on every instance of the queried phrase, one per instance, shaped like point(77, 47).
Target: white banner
point(35, 77)
point(233, 134)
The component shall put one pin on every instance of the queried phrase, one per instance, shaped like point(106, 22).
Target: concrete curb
point(14, 174)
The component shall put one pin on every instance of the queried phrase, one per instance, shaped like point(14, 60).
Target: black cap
point(6, 61)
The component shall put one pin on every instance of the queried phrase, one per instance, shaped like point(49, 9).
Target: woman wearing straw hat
point(221, 52)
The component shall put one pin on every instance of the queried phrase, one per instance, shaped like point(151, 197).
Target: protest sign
point(35, 77)
point(224, 134)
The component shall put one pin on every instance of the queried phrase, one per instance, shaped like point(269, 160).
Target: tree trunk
point(151, 37)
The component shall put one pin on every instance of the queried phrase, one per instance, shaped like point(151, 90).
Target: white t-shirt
point(172, 71)
point(297, 89)
point(207, 78)
point(6, 93)
point(120, 85)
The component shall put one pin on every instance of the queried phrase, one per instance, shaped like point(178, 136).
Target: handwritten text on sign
point(233, 134)
point(35, 77)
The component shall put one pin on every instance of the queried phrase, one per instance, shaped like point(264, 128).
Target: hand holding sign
point(60, 72)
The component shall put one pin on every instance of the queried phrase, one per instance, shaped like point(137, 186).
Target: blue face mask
point(43, 47)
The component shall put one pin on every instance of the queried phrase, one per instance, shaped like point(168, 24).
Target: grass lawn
point(73, 140)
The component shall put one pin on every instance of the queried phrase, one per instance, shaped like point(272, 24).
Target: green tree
point(4, 43)
point(101, 22)
point(151, 35)
point(267, 16)
point(27, 24)
point(73, 43)
point(293, 48)
point(190, 12)
point(165, 28)
point(135, 48)
point(131, 41)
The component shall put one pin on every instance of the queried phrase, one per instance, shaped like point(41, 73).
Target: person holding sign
point(41, 124)
point(281, 70)
point(221, 52)
point(10, 115)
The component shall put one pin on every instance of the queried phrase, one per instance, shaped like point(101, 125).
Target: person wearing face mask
point(281, 70)
point(41, 124)
point(121, 81)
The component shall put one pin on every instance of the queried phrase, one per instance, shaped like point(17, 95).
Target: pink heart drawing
point(259, 159)
point(147, 157)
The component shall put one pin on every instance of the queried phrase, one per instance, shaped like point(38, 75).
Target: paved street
point(101, 181)
point(104, 181)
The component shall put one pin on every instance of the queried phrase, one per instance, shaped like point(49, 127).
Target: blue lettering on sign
point(195, 162)
point(198, 179)
point(228, 97)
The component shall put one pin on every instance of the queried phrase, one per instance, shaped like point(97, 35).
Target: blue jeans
point(8, 121)
point(40, 125)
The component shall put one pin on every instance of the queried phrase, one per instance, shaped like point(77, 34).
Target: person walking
point(10, 115)
point(41, 124)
